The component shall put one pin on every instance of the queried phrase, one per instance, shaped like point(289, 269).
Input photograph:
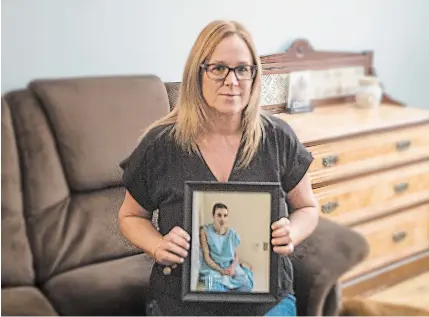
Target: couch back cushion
point(173, 91)
point(45, 190)
point(72, 134)
point(16, 259)
point(96, 121)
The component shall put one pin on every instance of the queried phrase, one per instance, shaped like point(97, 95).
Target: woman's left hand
point(281, 239)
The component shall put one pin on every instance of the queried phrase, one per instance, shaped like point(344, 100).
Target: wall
point(51, 38)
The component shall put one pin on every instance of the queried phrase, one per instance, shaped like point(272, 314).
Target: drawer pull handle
point(403, 145)
point(399, 188)
point(399, 236)
point(329, 161)
point(329, 207)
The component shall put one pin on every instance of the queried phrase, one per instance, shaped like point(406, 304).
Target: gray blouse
point(155, 172)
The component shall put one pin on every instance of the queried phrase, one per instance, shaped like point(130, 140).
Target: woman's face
point(220, 217)
point(232, 94)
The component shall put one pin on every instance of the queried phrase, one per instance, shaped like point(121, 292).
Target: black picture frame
point(255, 190)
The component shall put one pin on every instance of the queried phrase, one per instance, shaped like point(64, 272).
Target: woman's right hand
point(173, 247)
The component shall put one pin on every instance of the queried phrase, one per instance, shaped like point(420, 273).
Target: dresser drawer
point(367, 153)
point(392, 238)
point(365, 197)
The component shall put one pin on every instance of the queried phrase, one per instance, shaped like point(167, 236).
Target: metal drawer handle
point(329, 161)
point(329, 207)
point(401, 187)
point(403, 145)
point(399, 236)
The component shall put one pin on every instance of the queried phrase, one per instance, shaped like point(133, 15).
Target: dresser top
point(340, 121)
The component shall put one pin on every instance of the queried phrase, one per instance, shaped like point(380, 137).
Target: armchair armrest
point(318, 263)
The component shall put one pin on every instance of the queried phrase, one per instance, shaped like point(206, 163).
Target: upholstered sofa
point(62, 251)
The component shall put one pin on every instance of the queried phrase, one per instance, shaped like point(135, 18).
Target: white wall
point(55, 38)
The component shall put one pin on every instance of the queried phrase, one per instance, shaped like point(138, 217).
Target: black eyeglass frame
point(206, 66)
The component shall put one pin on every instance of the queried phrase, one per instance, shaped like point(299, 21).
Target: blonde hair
point(189, 116)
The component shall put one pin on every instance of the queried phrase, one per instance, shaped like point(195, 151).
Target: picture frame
point(300, 92)
point(247, 209)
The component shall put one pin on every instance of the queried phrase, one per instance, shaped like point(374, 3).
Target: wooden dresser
point(371, 167)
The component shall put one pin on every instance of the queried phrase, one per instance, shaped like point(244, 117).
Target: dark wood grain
point(387, 276)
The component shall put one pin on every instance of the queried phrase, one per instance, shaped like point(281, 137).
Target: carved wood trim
point(302, 56)
point(278, 108)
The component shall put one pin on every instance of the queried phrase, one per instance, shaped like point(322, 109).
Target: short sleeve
point(235, 238)
point(294, 158)
point(137, 173)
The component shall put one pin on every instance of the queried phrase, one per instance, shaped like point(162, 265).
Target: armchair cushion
point(25, 301)
point(319, 262)
point(116, 287)
point(98, 120)
point(16, 260)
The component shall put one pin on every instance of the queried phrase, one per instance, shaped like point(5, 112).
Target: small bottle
point(369, 92)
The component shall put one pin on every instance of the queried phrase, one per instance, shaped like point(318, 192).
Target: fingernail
point(182, 260)
point(187, 246)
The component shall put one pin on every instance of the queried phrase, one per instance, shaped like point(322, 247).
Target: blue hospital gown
point(222, 251)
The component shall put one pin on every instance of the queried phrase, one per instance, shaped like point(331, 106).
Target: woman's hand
point(282, 241)
point(173, 247)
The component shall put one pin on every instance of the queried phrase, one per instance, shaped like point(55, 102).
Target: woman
point(220, 268)
point(216, 132)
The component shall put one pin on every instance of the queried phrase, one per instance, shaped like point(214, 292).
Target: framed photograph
point(300, 92)
point(231, 257)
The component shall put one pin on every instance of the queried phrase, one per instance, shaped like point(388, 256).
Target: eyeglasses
point(221, 71)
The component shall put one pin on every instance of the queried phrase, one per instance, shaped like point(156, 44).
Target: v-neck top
point(155, 173)
point(237, 154)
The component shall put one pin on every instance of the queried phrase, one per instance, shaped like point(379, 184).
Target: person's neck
point(218, 230)
point(224, 125)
